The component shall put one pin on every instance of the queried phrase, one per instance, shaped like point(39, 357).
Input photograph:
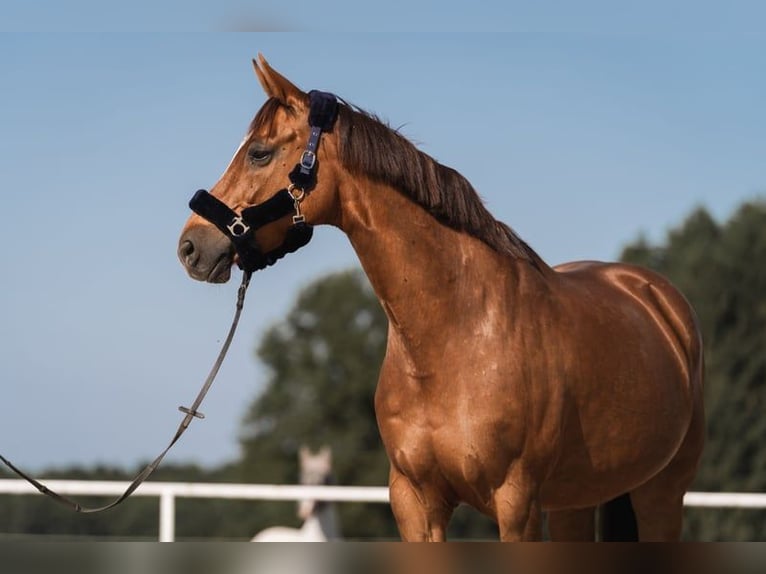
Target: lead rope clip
point(297, 199)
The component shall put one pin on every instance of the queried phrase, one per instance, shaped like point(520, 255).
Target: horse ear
point(326, 453)
point(276, 85)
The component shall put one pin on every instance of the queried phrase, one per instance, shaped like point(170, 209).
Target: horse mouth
point(221, 271)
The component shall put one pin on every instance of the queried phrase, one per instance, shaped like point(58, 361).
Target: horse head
point(315, 470)
point(275, 145)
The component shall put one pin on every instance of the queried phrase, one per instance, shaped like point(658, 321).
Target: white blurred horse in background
point(320, 518)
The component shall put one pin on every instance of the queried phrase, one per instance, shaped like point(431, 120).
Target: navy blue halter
point(240, 229)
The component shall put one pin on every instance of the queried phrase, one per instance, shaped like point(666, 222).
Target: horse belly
point(631, 377)
point(616, 441)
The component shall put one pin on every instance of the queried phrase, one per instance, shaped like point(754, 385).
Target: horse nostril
point(187, 253)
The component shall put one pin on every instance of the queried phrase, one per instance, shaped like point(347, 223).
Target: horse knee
point(517, 508)
point(420, 516)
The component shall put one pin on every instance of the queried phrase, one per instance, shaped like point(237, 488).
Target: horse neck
point(423, 272)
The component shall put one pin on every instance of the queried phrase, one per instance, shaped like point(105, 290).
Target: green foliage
point(135, 519)
point(324, 361)
point(722, 271)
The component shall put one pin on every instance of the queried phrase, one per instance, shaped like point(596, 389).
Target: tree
point(324, 361)
point(722, 271)
point(135, 519)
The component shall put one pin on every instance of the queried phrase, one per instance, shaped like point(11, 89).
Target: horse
point(320, 519)
point(507, 384)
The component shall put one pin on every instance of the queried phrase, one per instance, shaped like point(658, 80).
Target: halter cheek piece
point(240, 229)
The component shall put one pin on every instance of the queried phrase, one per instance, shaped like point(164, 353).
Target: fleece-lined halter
point(241, 228)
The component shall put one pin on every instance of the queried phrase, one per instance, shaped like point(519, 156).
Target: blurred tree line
point(323, 361)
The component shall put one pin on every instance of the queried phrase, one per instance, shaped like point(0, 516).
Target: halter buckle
point(308, 160)
point(238, 227)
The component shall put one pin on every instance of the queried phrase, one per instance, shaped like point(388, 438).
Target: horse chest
point(453, 443)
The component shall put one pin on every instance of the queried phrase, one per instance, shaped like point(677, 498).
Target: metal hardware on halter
point(298, 217)
point(297, 199)
point(240, 230)
point(308, 159)
point(309, 156)
point(238, 227)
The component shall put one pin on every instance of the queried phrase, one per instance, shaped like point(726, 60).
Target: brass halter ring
point(297, 199)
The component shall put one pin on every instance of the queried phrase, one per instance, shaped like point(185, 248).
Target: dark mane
point(370, 147)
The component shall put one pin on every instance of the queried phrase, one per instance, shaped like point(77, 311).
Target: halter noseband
point(240, 229)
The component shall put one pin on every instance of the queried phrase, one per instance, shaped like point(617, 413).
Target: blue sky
point(676, 18)
point(578, 135)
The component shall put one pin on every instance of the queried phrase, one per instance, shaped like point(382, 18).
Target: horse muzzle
point(206, 254)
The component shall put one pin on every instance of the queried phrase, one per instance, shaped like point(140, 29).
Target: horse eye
point(259, 156)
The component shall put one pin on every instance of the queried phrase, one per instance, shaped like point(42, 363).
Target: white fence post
point(167, 515)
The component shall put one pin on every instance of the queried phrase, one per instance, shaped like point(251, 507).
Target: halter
point(240, 228)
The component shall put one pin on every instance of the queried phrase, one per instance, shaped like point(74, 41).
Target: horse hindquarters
point(664, 434)
point(658, 503)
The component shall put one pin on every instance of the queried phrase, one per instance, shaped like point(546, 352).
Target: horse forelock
point(263, 122)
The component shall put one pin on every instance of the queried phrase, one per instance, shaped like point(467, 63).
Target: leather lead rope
point(190, 412)
point(323, 111)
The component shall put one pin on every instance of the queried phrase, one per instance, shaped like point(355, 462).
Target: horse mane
point(371, 148)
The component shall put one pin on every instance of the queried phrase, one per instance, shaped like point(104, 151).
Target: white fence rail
point(167, 492)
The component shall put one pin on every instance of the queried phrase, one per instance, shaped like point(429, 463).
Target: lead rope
point(190, 412)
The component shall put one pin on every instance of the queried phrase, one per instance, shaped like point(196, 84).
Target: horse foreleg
point(517, 508)
point(421, 514)
point(572, 525)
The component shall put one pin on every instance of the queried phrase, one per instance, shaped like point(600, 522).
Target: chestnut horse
point(508, 385)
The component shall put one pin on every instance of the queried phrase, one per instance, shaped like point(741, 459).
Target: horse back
point(643, 296)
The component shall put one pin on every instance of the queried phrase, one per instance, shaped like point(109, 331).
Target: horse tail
point(617, 521)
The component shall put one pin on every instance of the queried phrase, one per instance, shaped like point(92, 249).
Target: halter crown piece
point(240, 229)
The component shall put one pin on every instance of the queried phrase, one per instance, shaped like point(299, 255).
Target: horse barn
point(448, 287)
